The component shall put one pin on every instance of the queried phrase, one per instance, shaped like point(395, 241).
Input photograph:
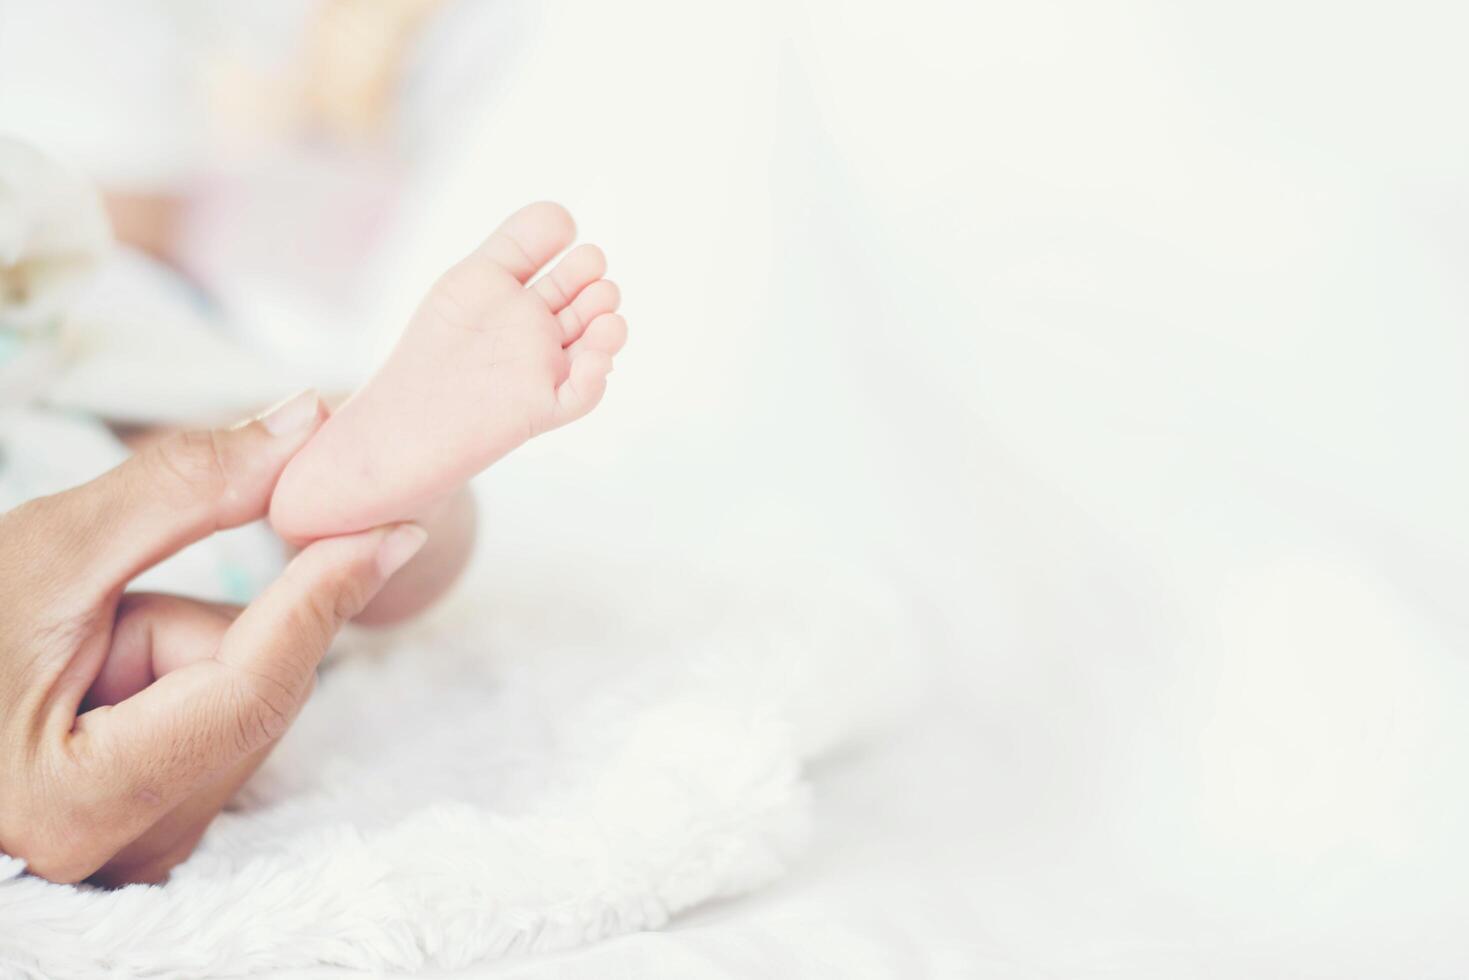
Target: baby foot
point(486, 363)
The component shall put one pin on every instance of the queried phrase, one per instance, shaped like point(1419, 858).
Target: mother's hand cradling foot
point(123, 792)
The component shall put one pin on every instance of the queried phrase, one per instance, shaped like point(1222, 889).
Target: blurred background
point(1125, 342)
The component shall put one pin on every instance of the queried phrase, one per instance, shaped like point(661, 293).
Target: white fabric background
point(1134, 336)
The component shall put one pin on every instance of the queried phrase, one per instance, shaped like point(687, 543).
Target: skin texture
point(489, 360)
point(122, 792)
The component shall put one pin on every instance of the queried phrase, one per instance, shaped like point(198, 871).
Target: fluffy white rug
point(532, 770)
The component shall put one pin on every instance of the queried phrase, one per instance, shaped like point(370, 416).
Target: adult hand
point(126, 789)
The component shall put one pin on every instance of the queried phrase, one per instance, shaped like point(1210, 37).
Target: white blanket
point(544, 765)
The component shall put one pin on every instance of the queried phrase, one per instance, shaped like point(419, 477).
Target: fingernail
point(401, 544)
point(291, 415)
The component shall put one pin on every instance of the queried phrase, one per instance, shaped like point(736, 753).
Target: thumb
point(163, 742)
point(174, 493)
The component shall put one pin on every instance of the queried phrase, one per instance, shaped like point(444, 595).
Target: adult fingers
point(139, 759)
point(181, 489)
point(150, 858)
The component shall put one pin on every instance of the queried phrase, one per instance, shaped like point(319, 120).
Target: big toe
point(529, 238)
